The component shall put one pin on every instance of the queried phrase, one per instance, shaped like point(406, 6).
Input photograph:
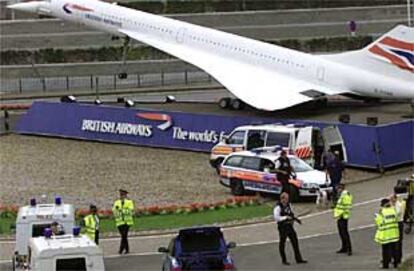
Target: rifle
point(295, 219)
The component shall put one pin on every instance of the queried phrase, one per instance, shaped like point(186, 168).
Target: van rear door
point(333, 140)
point(303, 148)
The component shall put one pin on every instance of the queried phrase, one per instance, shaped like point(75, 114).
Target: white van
point(34, 218)
point(308, 142)
point(63, 252)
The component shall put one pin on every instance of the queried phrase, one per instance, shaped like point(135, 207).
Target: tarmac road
point(257, 248)
point(318, 250)
point(268, 25)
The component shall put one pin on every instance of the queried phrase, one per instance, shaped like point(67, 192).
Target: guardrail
point(98, 76)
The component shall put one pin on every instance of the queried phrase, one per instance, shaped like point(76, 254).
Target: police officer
point(283, 170)
point(123, 211)
point(399, 204)
point(387, 232)
point(342, 213)
point(91, 224)
point(285, 218)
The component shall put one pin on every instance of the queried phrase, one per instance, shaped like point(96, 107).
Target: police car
point(308, 142)
point(255, 171)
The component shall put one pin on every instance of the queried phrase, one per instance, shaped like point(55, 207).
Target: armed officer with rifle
point(284, 170)
point(285, 218)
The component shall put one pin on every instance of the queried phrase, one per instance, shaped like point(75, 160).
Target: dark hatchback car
point(201, 248)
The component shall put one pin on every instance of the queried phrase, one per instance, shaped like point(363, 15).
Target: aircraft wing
point(261, 88)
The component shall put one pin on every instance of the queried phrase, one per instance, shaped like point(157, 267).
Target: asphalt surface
point(318, 250)
point(205, 101)
point(256, 243)
point(268, 25)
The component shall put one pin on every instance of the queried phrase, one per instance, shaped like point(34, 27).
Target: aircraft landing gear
point(125, 47)
point(229, 103)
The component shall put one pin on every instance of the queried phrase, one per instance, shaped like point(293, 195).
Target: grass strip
point(174, 221)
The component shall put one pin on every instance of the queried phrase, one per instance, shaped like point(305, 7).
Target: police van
point(254, 170)
point(308, 142)
point(33, 219)
point(63, 252)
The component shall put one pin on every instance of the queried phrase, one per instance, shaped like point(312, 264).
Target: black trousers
point(123, 230)
point(399, 248)
point(344, 235)
point(284, 180)
point(286, 230)
point(97, 237)
point(389, 253)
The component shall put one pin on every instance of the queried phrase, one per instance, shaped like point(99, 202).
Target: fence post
point(138, 80)
point(91, 82)
point(67, 82)
point(114, 81)
point(20, 85)
point(6, 122)
point(97, 87)
point(162, 78)
point(186, 77)
point(44, 84)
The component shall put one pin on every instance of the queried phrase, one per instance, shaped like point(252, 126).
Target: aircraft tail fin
point(395, 47)
point(392, 52)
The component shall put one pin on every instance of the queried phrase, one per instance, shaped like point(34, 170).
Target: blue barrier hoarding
point(366, 146)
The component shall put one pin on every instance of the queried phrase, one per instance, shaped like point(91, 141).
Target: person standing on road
point(283, 170)
point(123, 211)
point(399, 204)
point(342, 213)
point(91, 224)
point(334, 169)
point(387, 233)
point(285, 218)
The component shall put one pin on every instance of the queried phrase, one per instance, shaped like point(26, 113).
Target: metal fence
point(101, 82)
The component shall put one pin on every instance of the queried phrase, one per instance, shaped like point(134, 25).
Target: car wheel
point(224, 103)
point(237, 104)
point(237, 188)
point(293, 193)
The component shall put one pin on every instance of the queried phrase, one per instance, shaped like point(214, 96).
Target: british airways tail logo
point(399, 53)
point(68, 8)
point(167, 120)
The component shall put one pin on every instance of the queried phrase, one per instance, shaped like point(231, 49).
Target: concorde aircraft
point(265, 76)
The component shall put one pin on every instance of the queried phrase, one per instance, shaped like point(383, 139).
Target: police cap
point(123, 191)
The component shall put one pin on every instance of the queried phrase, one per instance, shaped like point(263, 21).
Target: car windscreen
point(200, 241)
point(299, 165)
point(78, 264)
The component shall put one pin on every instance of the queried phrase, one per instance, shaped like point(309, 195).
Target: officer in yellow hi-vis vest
point(387, 233)
point(123, 211)
point(342, 213)
point(91, 224)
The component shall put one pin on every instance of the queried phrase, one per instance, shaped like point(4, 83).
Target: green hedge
point(199, 6)
point(144, 53)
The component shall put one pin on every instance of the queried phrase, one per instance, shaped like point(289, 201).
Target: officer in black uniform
point(285, 218)
point(283, 170)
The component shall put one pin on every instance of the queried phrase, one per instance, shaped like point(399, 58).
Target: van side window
point(234, 161)
point(252, 163)
point(237, 138)
point(281, 139)
point(255, 139)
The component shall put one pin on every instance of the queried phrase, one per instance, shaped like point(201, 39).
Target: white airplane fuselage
point(391, 82)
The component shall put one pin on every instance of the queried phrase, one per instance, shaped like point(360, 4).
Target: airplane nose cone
point(32, 7)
